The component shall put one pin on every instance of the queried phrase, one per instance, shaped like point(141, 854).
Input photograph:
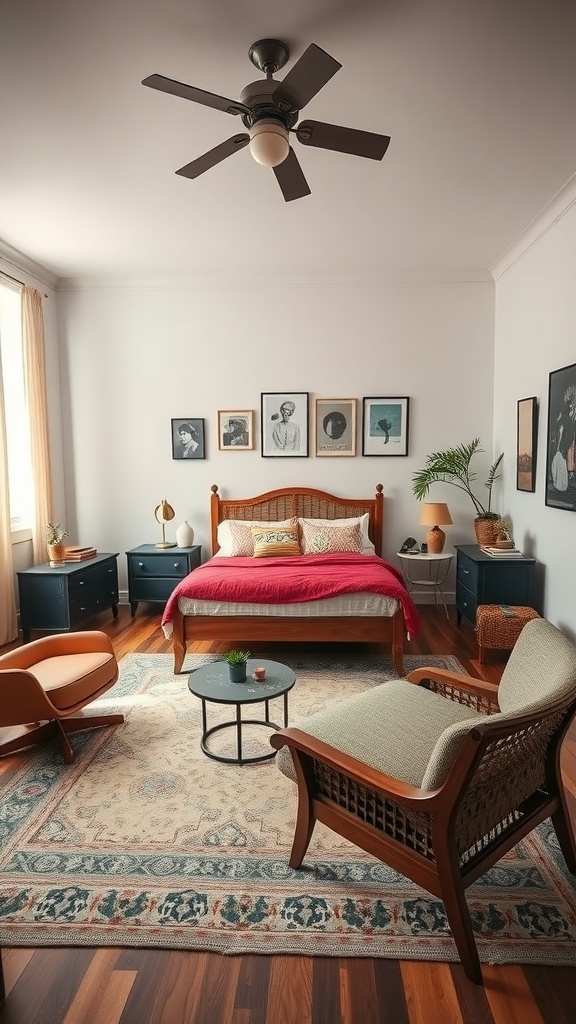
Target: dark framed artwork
point(284, 424)
point(385, 424)
point(561, 439)
point(235, 430)
point(526, 439)
point(335, 426)
point(188, 438)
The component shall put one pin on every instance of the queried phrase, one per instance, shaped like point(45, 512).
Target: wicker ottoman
point(499, 625)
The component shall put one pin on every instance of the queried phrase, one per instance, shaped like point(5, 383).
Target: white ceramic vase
point(185, 535)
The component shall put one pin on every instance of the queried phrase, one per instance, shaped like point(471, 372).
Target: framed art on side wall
point(188, 439)
point(235, 430)
point(561, 439)
point(385, 424)
point(335, 426)
point(526, 439)
point(284, 424)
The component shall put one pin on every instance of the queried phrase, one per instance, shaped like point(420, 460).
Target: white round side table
point(425, 572)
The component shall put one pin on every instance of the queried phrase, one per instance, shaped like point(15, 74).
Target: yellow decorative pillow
point(235, 538)
point(324, 538)
point(270, 541)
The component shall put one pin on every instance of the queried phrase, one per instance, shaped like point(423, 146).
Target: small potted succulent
point(55, 537)
point(236, 661)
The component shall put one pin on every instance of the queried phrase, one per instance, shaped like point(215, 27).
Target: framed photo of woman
point(188, 439)
point(284, 424)
point(235, 430)
point(561, 439)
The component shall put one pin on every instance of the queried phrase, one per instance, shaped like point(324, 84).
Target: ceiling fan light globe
point(269, 143)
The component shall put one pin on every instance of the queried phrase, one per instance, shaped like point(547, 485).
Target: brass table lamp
point(163, 514)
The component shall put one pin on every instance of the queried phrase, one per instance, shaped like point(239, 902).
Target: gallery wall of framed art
point(286, 422)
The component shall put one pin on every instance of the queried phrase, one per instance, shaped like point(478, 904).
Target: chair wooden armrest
point(496, 776)
point(377, 781)
point(458, 686)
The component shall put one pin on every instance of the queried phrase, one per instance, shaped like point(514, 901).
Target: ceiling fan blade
point(214, 156)
point(190, 92)
point(309, 74)
point(342, 140)
point(291, 179)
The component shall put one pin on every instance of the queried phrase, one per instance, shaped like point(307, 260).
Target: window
point(20, 479)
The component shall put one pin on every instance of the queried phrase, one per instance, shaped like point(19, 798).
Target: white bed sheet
point(363, 604)
point(344, 604)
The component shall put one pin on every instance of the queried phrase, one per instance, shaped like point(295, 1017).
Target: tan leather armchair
point(44, 684)
point(439, 774)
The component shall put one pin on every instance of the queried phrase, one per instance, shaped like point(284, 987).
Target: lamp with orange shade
point(435, 514)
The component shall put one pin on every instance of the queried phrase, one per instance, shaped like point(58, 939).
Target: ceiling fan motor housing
point(259, 97)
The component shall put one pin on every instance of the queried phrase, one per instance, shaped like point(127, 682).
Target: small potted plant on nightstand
point(236, 661)
point(453, 466)
point(55, 537)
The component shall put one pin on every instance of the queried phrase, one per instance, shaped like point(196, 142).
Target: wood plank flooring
point(139, 986)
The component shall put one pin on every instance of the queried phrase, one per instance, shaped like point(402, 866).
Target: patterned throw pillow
point(269, 542)
point(322, 538)
point(367, 545)
point(235, 536)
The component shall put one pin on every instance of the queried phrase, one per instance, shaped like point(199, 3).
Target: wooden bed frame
point(272, 506)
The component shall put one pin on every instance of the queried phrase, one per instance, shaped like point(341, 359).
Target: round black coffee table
point(212, 683)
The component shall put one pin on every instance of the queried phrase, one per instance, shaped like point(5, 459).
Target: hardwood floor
point(139, 986)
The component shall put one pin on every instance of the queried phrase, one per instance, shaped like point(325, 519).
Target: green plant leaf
point(453, 466)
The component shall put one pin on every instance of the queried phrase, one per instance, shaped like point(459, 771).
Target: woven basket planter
point(485, 530)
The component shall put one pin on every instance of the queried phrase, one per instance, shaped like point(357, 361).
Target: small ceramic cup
point(259, 673)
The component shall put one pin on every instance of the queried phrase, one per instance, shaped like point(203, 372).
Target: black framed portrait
point(561, 439)
point(284, 424)
point(188, 440)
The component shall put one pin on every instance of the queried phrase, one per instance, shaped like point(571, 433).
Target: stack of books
point(78, 554)
point(502, 552)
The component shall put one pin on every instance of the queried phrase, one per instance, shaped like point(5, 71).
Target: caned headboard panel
point(298, 501)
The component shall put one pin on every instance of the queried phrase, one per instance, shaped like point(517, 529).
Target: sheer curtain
point(35, 377)
point(8, 622)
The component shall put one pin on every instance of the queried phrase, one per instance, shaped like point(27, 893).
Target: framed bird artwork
point(385, 424)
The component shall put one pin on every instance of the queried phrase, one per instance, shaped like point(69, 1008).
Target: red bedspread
point(293, 580)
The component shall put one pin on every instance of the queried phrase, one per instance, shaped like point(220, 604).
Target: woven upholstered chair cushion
point(394, 728)
point(540, 669)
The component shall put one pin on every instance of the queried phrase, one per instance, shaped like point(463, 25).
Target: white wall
point(536, 334)
point(134, 357)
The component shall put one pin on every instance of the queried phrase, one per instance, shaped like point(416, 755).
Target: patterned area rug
point(144, 841)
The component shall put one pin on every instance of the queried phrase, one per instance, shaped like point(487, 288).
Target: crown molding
point(240, 280)
point(554, 210)
point(19, 265)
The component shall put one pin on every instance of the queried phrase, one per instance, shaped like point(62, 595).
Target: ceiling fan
point(270, 111)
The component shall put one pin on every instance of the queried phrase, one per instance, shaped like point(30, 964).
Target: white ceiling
point(478, 97)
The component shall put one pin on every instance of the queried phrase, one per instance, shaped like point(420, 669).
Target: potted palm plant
point(55, 537)
point(453, 466)
point(236, 661)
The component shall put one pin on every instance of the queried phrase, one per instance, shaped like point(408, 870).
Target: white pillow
point(235, 535)
point(367, 545)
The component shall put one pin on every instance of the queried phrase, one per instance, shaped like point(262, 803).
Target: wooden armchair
point(440, 774)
